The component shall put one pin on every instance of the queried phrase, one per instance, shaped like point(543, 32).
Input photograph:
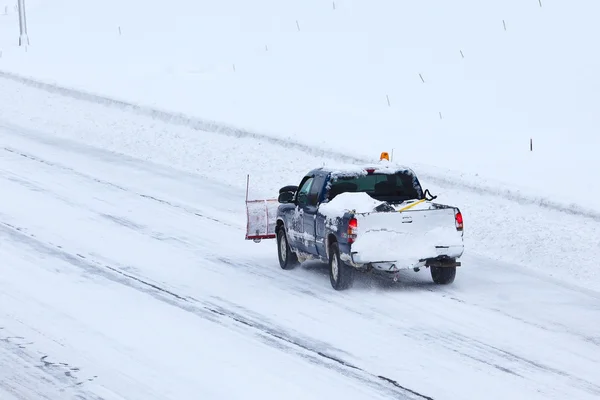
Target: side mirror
point(286, 197)
point(290, 188)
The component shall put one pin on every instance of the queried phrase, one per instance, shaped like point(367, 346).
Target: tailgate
point(407, 237)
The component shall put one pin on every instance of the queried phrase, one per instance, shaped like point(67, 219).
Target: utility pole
point(23, 38)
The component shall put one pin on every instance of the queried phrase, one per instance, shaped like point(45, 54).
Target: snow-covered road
point(125, 279)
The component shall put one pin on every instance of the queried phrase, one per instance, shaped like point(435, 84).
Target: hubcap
point(283, 247)
point(334, 268)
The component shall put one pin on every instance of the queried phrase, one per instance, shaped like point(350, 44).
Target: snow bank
point(344, 202)
point(283, 69)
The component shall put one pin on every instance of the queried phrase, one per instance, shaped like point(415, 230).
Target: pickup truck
point(367, 218)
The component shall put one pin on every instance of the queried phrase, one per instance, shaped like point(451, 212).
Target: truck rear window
point(393, 188)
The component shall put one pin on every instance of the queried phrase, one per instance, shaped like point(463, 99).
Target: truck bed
point(406, 238)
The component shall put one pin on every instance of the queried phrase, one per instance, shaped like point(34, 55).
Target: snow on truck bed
point(343, 202)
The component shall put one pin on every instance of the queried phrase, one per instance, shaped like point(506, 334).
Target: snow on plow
point(261, 217)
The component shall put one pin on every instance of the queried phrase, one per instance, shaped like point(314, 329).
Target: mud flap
point(261, 217)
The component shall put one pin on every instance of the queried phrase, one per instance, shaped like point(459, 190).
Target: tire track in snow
point(119, 220)
point(526, 363)
point(157, 199)
point(55, 373)
point(506, 361)
point(213, 313)
point(205, 125)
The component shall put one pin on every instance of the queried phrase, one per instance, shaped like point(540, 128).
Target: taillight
point(459, 220)
point(352, 228)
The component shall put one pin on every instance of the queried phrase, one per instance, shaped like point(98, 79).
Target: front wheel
point(340, 274)
point(287, 258)
point(443, 275)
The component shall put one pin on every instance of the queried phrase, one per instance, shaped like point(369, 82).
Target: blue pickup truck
point(367, 218)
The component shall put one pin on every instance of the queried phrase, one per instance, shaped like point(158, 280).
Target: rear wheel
point(443, 275)
point(287, 258)
point(340, 274)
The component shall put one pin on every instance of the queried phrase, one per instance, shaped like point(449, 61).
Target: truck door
point(297, 233)
point(310, 215)
point(320, 228)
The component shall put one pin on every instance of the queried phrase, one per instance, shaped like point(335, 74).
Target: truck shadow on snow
point(407, 280)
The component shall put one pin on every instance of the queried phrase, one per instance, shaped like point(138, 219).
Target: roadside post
point(23, 37)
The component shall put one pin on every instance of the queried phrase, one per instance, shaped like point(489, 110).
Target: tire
point(443, 275)
point(340, 274)
point(287, 258)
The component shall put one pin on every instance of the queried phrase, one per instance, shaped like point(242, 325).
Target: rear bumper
point(446, 257)
point(442, 262)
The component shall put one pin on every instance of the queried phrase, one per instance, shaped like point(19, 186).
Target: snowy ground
point(132, 278)
point(124, 273)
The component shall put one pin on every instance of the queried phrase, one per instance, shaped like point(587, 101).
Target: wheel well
point(278, 225)
point(331, 239)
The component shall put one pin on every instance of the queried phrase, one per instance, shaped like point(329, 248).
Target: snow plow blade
point(260, 218)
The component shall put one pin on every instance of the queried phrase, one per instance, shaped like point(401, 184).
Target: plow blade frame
point(261, 217)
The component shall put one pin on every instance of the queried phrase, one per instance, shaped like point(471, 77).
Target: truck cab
point(298, 213)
